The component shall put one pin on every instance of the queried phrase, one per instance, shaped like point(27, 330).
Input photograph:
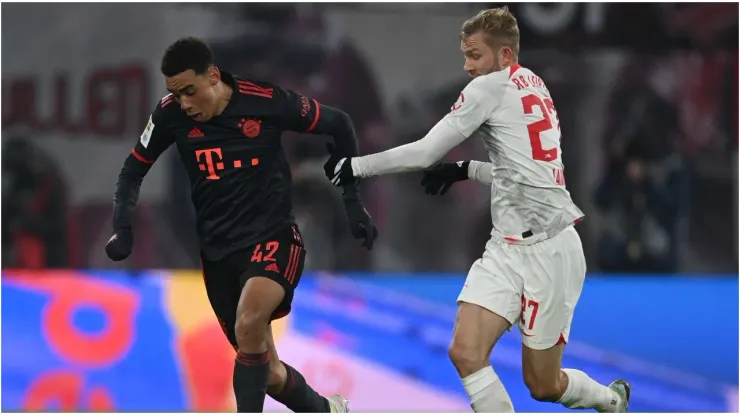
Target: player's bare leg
point(476, 331)
point(287, 386)
point(574, 389)
point(259, 299)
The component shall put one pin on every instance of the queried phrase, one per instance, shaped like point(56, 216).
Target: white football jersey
point(513, 113)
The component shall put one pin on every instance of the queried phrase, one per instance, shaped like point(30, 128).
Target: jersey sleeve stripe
point(258, 94)
point(167, 100)
point(248, 88)
point(140, 157)
point(242, 83)
point(315, 117)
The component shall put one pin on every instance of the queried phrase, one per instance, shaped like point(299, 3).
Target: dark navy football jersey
point(239, 176)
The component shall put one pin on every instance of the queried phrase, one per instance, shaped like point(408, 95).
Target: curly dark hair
point(187, 53)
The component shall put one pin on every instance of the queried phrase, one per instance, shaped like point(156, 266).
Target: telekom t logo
point(212, 163)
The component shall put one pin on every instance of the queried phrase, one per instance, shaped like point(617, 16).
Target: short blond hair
point(499, 25)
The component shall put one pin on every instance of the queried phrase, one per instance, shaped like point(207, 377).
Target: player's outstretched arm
point(410, 157)
point(473, 109)
point(153, 141)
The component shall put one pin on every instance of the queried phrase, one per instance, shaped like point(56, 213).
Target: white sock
point(583, 392)
point(487, 393)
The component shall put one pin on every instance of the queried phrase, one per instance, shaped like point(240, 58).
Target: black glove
point(120, 244)
point(440, 177)
point(338, 168)
point(360, 222)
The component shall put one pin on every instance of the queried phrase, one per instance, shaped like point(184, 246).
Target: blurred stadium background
point(648, 100)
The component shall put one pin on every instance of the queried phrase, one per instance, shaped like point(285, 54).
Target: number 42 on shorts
point(267, 254)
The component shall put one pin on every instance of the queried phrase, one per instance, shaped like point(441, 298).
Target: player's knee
point(542, 391)
point(250, 327)
point(466, 358)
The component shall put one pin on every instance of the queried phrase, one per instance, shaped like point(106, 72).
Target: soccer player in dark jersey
point(227, 130)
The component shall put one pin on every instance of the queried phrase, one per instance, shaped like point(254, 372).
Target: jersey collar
point(230, 80)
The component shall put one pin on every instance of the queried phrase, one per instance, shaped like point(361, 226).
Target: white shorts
point(536, 286)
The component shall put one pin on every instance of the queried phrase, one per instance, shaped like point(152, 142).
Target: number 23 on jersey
point(529, 102)
point(537, 128)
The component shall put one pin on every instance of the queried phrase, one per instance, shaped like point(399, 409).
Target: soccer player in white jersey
point(532, 270)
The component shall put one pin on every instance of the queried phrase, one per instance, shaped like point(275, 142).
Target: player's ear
point(506, 55)
point(214, 75)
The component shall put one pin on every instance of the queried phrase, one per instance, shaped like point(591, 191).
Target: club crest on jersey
point(250, 128)
point(458, 104)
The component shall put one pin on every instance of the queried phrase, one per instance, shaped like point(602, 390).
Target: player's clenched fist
point(360, 223)
point(120, 244)
point(338, 168)
point(439, 178)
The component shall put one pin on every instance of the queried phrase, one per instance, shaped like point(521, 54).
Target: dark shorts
point(279, 258)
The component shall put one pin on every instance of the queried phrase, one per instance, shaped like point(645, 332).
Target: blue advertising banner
point(664, 335)
point(104, 340)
